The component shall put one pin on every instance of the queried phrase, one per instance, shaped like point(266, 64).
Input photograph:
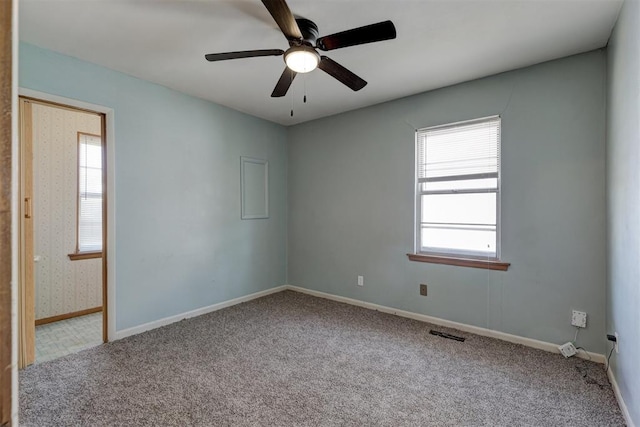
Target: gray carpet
point(292, 359)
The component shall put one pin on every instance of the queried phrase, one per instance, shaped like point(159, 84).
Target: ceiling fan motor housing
point(309, 31)
point(302, 56)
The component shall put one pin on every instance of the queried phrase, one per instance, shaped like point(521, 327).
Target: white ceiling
point(439, 43)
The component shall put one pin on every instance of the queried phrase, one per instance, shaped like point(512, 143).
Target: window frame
point(88, 254)
point(457, 256)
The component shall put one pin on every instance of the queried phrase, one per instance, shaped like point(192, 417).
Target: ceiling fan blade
point(280, 12)
point(284, 83)
point(367, 34)
point(341, 74)
point(243, 54)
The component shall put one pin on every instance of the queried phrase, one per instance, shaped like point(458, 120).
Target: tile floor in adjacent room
point(57, 339)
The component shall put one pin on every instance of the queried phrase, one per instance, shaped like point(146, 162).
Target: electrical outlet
point(423, 290)
point(360, 280)
point(617, 343)
point(579, 319)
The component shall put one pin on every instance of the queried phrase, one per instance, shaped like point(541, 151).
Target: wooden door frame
point(26, 290)
point(108, 257)
point(8, 79)
point(26, 304)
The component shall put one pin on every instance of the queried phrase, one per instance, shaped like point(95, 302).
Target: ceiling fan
point(302, 55)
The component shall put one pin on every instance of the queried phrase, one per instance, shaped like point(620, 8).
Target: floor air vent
point(446, 335)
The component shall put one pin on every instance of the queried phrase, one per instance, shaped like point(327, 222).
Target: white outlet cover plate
point(567, 349)
point(360, 281)
point(579, 319)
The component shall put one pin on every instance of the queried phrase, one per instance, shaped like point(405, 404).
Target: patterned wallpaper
point(62, 286)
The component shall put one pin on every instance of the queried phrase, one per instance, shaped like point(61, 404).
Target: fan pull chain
point(291, 83)
point(304, 100)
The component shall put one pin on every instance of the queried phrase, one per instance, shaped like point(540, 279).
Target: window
point(458, 190)
point(89, 237)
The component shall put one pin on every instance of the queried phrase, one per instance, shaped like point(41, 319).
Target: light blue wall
point(623, 185)
point(180, 243)
point(351, 203)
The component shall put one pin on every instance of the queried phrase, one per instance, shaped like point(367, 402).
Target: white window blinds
point(458, 171)
point(90, 193)
point(470, 148)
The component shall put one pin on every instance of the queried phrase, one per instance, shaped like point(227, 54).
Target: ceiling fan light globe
point(302, 59)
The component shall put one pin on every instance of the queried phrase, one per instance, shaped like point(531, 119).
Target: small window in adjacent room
point(89, 235)
point(458, 190)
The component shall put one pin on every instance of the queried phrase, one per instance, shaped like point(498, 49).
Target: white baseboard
point(621, 402)
point(529, 342)
point(193, 313)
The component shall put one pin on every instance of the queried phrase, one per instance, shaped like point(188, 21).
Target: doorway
point(63, 289)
